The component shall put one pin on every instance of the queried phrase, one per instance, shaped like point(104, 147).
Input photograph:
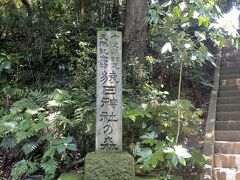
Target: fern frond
point(21, 105)
point(21, 116)
point(8, 143)
point(78, 114)
point(50, 152)
point(19, 93)
point(21, 135)
point(23, 168)
point(15, 92)
point(6, 127)
point(49, 166)
point(29, 147)
point(60, 98)
point(39, 97)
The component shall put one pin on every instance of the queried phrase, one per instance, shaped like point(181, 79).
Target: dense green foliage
point(226, 5)
point(47, 83)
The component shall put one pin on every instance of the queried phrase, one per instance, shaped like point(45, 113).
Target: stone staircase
point(226, 151)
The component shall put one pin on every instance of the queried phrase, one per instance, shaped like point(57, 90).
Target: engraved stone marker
point(109, 162)
point(109, 91)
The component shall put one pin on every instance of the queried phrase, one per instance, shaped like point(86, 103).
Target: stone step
point(227, 135)
point(229, 70)
point(228, 116)
point(230, 54)
point(229, 93)
point(227, 147)
point(229, 100)
point(227, 160)
point(234, 56)
point(229, 76)
point(226, 174)
point(228, 107)
point(227, 125)
point(230, 82)
point(228, 49)
point(229, 88)
point(230, 64)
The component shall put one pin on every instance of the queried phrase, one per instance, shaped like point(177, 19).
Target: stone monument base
point(109, 166)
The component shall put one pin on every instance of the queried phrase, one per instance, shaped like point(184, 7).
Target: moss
point(109, 166)
point(71, 176)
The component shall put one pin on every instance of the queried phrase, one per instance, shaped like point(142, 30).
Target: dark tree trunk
point(82, 6)
point(28, 7)
point(80, 10)
point(135, 32)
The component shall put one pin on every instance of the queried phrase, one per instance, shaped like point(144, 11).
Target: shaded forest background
point(48, 78)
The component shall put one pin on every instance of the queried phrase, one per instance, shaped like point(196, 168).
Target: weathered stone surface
point(109, 166)
point(227, 161)
point(227, 147)
point(71, 176)
point(109, 92)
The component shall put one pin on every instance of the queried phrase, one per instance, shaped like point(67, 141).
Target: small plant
point(36, 126)
point(153, 153)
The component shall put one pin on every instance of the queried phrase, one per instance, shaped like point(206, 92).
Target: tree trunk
point(82, 6)
point(80, 9)
point(28, 7)
point(135, 32)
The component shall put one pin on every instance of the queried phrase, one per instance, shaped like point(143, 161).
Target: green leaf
point(166, 47)
point(182, 160)
point(135, 148)
point(174, 160)
point(151, 142)
point(151, 135)
point(68, 139)
point(201, 20)
point(183, 6)
point(61, 148)
point(197, 157)
point(57, 142)
point(72, 147)
point(201, 35)
point(177, 11)
point(132, 117)
point(168, 3)
point(169, 150)
point(157, 156)
point(145, 156)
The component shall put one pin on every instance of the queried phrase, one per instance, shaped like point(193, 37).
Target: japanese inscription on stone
point(109, 91)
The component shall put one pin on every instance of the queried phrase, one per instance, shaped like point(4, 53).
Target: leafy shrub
point(164, 155)
point(37, 127)
point(162, 117)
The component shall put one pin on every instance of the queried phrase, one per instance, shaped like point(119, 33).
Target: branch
point(74, 163)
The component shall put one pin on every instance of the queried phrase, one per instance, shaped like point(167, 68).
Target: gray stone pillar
point(109, 162)
point(109, 91)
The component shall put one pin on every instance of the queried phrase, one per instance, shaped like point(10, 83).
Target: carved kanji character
point(108, 144)
point(104, 77)
point(107, 90)
point(108, 129)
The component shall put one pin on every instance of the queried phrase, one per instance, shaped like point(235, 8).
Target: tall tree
point(135, 32)
point(28, 7)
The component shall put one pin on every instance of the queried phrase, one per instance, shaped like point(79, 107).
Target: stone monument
point(109, 92)
point(109, 162)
